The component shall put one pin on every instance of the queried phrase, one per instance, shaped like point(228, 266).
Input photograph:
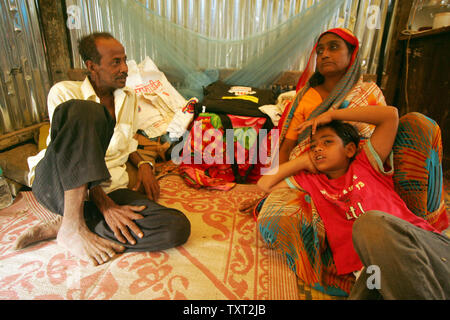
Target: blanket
point(224, 258)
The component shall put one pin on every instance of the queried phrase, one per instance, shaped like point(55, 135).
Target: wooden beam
point(391, 80)
point(16, 137)
point(52, 19)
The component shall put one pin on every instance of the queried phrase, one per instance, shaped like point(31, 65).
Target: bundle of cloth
point(164, 114)
point(230, 139)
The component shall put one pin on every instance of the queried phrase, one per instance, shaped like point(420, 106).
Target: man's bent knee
point(369, 229)
point(84, 111)
point(179, 229)
point(367, 222)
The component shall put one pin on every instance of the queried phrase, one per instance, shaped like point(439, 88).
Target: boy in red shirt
point(348, 185)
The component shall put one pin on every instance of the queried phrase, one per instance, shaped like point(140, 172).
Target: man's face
point(112, 71)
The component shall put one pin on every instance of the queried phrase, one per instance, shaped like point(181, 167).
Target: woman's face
point(333, 56)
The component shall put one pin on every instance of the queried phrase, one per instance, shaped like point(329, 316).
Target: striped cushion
point(418, 174)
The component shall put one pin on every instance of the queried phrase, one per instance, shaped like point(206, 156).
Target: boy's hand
point(247, 206)
point(307, 163)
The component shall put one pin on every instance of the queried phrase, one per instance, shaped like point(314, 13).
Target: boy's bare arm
point(385, 119)
point(274, 178)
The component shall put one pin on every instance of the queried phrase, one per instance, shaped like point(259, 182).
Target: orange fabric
point(309, 102)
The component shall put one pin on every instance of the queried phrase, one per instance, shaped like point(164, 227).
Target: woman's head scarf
point(339, 92)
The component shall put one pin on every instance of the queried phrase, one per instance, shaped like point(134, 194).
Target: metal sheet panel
point(229, 20)
point(24, 80)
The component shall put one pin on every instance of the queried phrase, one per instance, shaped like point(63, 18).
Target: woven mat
point(223, 259)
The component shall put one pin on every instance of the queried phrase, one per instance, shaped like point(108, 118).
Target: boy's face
point(328, 153)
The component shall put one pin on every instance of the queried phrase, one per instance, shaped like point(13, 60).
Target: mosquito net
point(192, 60)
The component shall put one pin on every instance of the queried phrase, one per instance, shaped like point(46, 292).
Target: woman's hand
point(321, 119)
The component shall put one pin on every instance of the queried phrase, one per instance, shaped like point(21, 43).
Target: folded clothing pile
point(158, 100)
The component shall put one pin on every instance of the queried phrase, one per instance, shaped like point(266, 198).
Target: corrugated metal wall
point(230, 20)
point(24, 79)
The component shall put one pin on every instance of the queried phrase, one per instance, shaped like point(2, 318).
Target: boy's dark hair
point(344, 130)
point(87, 47)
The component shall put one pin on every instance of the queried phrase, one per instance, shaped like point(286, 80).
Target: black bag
point(225, 100)
point(222, 98)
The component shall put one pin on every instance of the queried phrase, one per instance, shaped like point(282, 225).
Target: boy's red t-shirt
point(365, 186)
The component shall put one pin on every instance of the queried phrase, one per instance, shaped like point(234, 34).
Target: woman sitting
point(288, 220)
point(336, 83)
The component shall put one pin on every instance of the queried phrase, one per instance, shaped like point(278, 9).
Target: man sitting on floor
point(93, 123)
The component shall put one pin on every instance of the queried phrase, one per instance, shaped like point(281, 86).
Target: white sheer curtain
point(227, 20)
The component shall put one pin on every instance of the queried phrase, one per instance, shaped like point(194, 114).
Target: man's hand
point(119, 218)
point(147, 180)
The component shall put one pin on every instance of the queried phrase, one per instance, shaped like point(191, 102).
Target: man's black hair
point(87, 47)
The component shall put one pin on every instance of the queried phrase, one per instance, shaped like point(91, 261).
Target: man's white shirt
point(122, 141)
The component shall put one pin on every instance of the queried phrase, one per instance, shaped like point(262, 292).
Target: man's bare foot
point(40, 232)
point(75, 236)
point(86, 245)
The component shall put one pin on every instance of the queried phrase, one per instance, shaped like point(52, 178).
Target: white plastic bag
point(180, 122)
point(158, 100)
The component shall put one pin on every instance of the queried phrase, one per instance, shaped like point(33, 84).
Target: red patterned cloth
point(205, 162)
